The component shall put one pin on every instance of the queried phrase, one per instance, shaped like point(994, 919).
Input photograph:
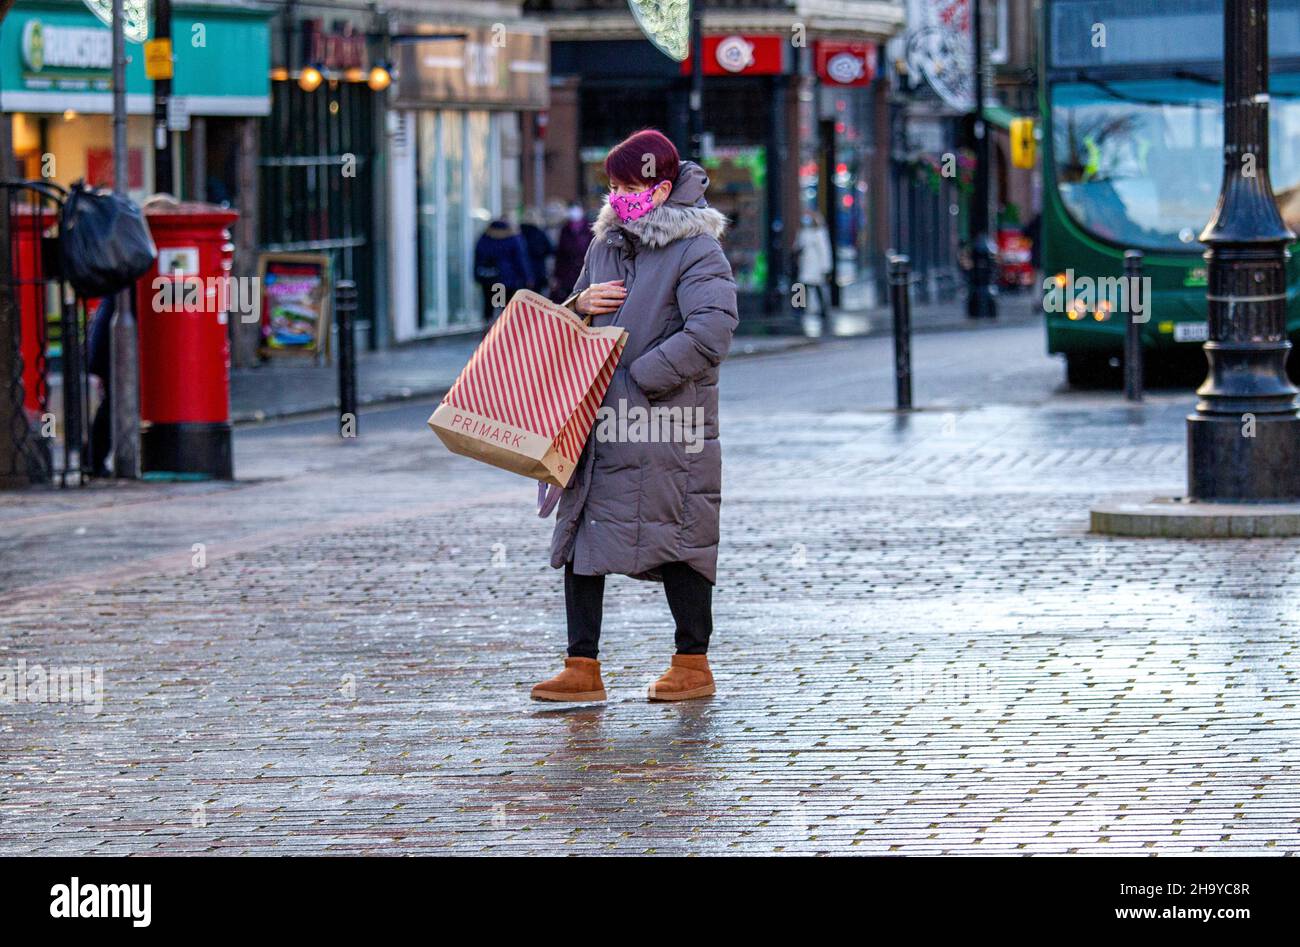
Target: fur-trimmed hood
point(685, 214)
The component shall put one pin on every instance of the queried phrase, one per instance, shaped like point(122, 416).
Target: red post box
point(183, 307)
point(27, 226)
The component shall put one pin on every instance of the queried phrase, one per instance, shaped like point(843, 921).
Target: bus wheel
point(1089, 370)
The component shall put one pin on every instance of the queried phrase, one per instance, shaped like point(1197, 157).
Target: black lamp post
point(696, 100)
point(1243, 442)
point(162, 91)
point(980, 301)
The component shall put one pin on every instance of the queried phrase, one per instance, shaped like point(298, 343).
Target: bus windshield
point(1139, 162)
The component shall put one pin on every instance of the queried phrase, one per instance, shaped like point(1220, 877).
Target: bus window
point(1109, 136)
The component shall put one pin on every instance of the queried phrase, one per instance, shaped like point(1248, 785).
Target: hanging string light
point(666, 23)
point(380, 77)
point(310, 78)
point(135, 15)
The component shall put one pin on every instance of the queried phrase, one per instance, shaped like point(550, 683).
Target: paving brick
point(920, 649)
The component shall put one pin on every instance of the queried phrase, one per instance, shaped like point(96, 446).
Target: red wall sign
point(341, 49)
point(738, 55)
point(844, 64)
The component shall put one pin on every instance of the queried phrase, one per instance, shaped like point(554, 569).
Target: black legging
point(99, 355)
point(690, 599)
point(101, 431)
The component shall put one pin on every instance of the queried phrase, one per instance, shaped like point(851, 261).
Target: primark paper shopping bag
point(527, 399)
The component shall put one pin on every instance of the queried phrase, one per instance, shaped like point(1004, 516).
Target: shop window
point(611, 112)
point(737, 111)
point(459, 188)
point(737, 188)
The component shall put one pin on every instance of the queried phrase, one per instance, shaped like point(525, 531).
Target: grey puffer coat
point(636, 504)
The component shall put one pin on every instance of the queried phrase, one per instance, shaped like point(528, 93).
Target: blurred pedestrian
point(816, 263)
point(575, 237)
point(501, 267)
point(540, 250)
point(1033, 230)
point(100, 364)
point(555, 215)
point(647, 506)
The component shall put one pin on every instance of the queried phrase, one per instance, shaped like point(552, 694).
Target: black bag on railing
point(104, 242)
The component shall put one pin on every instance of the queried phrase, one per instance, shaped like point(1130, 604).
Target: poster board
point(296, 292)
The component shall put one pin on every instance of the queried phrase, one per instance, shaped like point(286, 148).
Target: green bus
point(1131, 100)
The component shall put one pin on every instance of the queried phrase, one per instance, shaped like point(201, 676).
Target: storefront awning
point(58, 56)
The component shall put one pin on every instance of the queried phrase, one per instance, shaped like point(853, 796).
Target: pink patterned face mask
point(630, 207)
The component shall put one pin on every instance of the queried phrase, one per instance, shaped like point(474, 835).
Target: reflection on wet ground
point(920, 649)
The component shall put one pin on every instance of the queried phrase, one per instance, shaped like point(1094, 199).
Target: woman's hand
point(599, 299)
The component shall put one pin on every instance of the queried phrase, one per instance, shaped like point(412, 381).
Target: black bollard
point(345, 309)
point(1132, 328)
point(900, 298)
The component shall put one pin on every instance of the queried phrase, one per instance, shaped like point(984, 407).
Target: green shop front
point(56, 89)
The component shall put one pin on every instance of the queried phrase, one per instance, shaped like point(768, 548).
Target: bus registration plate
point(1191, 331)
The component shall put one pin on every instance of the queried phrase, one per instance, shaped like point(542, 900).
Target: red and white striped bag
point(527, 399)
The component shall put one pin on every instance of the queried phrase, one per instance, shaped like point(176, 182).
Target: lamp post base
point(1180, 518)
point(1243, 459)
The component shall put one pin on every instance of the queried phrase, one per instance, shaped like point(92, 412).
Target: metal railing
point(42, 332)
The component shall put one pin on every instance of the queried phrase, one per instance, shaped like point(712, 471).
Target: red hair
point(646, 150)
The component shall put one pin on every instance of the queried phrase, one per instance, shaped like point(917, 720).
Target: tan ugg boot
point(688, 678)
point(579, 681)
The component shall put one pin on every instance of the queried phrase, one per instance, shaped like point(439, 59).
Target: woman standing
point(816, 262)
point(648, 508)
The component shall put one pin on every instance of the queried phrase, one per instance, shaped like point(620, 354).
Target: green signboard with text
point(57, 55)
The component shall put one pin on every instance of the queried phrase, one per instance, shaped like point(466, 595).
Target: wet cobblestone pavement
point(920, 649)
